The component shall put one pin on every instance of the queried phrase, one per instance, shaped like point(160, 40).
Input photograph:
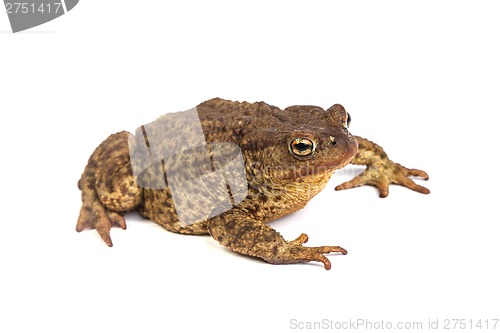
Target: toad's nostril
point(332, 139)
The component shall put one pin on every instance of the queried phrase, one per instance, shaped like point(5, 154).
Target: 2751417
point(32, 8)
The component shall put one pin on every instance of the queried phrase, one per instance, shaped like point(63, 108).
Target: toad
point(228, 168)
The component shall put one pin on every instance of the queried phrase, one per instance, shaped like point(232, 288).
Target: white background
point(420, 78)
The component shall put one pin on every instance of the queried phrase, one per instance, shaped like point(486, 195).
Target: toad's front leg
point(381, 171)
point(241, 234)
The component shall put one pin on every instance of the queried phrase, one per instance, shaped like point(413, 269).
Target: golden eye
point(302, 147)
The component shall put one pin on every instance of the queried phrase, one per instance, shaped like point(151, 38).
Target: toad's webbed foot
point(381, 171)
point(94, 215)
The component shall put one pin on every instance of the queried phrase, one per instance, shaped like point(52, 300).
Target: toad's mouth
point(308, 169)
point(314, 170)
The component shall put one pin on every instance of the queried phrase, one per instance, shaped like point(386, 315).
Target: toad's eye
point(302, 147)
point(348, 121)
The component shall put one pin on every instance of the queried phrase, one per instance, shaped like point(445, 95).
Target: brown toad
point(226, 169)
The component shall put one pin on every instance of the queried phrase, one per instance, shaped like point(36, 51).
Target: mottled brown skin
point(279, 181)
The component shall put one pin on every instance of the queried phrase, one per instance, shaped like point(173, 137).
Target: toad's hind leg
point(108, 187)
